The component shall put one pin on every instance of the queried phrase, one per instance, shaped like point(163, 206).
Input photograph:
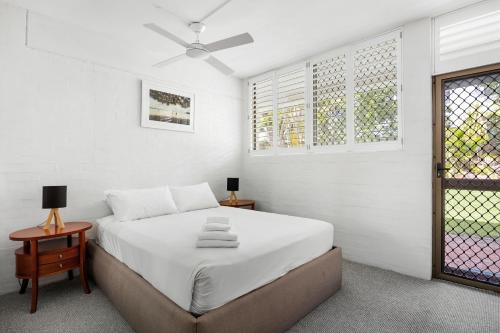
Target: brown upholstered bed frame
point(272, 308)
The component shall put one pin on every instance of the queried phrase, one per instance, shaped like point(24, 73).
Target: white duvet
point(162, 250)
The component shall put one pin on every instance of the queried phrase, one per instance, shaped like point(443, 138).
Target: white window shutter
point(329, 101)
point(376, 90)
point(291, 107)
point(261, 114)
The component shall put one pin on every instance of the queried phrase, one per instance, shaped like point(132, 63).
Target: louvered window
point(291, 109)
point(468, 37)
point(346, 100)
point(376, 87)
point(329, 103)
point(261, 117)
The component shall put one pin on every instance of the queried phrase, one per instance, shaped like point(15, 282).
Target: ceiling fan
point(198, 50)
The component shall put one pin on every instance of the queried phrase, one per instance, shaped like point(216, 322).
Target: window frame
point(350, 145)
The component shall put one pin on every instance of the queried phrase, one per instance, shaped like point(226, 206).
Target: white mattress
point(162, 250)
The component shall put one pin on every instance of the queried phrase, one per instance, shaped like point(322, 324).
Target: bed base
point(272, 308)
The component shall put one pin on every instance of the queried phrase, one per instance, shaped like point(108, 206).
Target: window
point(346, 100)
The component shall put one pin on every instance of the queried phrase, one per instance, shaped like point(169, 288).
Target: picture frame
point(167, 108)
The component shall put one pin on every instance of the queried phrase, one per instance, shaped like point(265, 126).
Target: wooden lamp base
point(54, 214)
point(233, 198)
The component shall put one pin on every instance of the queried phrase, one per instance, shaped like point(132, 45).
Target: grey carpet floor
point(371, 300)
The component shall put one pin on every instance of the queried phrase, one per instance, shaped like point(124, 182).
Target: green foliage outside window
point(329, 124)
point(264, 131)
point(291, 126)
point(376, 115)
point(472, 138)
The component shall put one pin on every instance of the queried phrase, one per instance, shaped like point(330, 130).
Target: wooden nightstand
point(53, 255)
point(239, 203)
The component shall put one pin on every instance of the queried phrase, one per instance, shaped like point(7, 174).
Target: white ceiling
point(284, 30)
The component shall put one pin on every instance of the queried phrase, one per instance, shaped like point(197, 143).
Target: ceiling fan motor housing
point(197, 27)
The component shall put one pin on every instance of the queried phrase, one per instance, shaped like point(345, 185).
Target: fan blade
point(230, 42)
point(171, 13)
point(169, 61)
point(219, 65)
point(165, 33)
point(212, 12)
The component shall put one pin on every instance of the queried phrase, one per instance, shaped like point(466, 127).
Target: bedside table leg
point(24, 285)
point(83, 269)
point(34, 275)
point(69, 243)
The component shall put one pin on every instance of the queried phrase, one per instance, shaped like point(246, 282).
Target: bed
point(160, 282)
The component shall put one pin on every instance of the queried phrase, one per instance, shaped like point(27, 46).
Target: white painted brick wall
point(65, 121)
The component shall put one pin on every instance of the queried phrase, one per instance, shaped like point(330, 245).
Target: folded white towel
point(216, 227)
point(216, 243)
point(218, 235)
point(218, 219)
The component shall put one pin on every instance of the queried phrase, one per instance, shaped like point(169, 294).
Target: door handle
point(440, 169)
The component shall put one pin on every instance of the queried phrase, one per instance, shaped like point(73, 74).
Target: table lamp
point(54, 197)
point(233, 185)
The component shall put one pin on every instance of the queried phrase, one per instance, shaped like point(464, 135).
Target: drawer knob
point(60, 256)
point(60, 265)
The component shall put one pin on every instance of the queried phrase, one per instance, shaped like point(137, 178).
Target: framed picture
point(166, 108)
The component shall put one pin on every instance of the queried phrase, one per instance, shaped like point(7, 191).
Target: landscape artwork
point(167, 108)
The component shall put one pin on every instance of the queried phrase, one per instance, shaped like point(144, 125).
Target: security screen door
point(467, 177)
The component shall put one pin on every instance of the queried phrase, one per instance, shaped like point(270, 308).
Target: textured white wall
point(66, 121)
point(379, 202)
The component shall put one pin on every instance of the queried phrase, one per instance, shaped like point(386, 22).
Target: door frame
point(437, 190)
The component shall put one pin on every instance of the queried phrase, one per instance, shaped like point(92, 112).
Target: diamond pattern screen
point(472, 180)
point(329, 104)
point(376, 92)
point(291, 109)
point(261, 117)
point(472, 132)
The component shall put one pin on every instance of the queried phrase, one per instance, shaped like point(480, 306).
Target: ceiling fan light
point(197, 53)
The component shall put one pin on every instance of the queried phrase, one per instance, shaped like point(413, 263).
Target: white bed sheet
point(162, 250)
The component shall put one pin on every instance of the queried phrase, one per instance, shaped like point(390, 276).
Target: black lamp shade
point(54, 196)
point(233, 184)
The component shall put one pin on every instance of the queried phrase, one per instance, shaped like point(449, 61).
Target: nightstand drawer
point(58, 255)
point(57, 267)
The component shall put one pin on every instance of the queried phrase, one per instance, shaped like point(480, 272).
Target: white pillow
point(140, 203)
point(194, 197)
